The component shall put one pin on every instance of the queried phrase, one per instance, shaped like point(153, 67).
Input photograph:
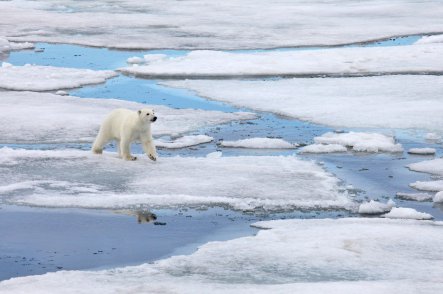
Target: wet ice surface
point(366, 176)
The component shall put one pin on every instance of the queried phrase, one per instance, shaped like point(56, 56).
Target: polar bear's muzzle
point(154, 119)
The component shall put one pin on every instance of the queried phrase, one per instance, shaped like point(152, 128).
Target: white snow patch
point(438, 198)
point(375, 207)
point(62, 93)
point(364, 102)
point(244, 183)
point(431, 186)
point(341, 256)
point(135, 60)
point(414, 196)
point(434, 166)
point(259, 143)
point(407, 213)
point(361, 142)
point(45, 78)
point(185, 141)
point(71, 119)
point(323, 148)
point(422, 151)
point(335, 61)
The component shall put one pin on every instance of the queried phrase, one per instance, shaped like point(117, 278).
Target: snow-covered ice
point(375, 207)
point(431, 186)
point(414, 196)
point(407, 213)
point(323, 148)
point(351, 255)
point(438, 198)
point(422, 151)
point(222, 24)
point(259, 143)
point(434, 166)
point(46, 78)
point(358, 61)
point(71, 119)
point(361, 142)
point(185, 141)
point(399, 101)
point(54, 177)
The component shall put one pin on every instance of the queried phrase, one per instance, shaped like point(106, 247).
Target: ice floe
point(352, 255)
point(431, 186)
point(434, 166)
point(357, 61)
point(244, 183)
point(375, 207)
point(185, 141)
point(323, 148)
point(364, 102)
point(438, 198)
point(422, 151)
point(259, 143)
point(361, 142)
point(226, 25)
point(414, 196)
point(407, 213)
point(46, 78)
point(55, 118)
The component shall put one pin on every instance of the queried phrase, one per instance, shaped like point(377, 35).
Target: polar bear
point(126, 126)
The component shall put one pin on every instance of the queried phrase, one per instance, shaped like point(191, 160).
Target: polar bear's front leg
point(149, 147)
point(125, 149)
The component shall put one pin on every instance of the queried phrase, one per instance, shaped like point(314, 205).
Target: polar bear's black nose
point(154, 118)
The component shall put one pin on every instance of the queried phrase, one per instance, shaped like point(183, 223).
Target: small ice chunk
point(375, 207)
point(414, 196)
point(432, 137)
point(422, 151)
point(407, 213)
point(430, 39)
point(361, 142)
point(323, 148)
point(434, 166)
point(184, 141)
point(259, 143)
point(62, 93)
point(21, 45)
point(135, 60)
point(438, 198)
point(432, 186)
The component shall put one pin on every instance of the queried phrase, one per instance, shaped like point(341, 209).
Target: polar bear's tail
point(99, 142)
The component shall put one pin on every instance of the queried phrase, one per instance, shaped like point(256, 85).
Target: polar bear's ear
point(139, 112)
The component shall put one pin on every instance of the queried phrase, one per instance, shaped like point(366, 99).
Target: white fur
point(126, 126)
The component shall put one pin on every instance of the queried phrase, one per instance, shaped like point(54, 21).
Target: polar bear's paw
point(152, 157)
point(130, 158)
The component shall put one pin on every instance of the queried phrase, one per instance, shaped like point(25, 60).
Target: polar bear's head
point(147, 115)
